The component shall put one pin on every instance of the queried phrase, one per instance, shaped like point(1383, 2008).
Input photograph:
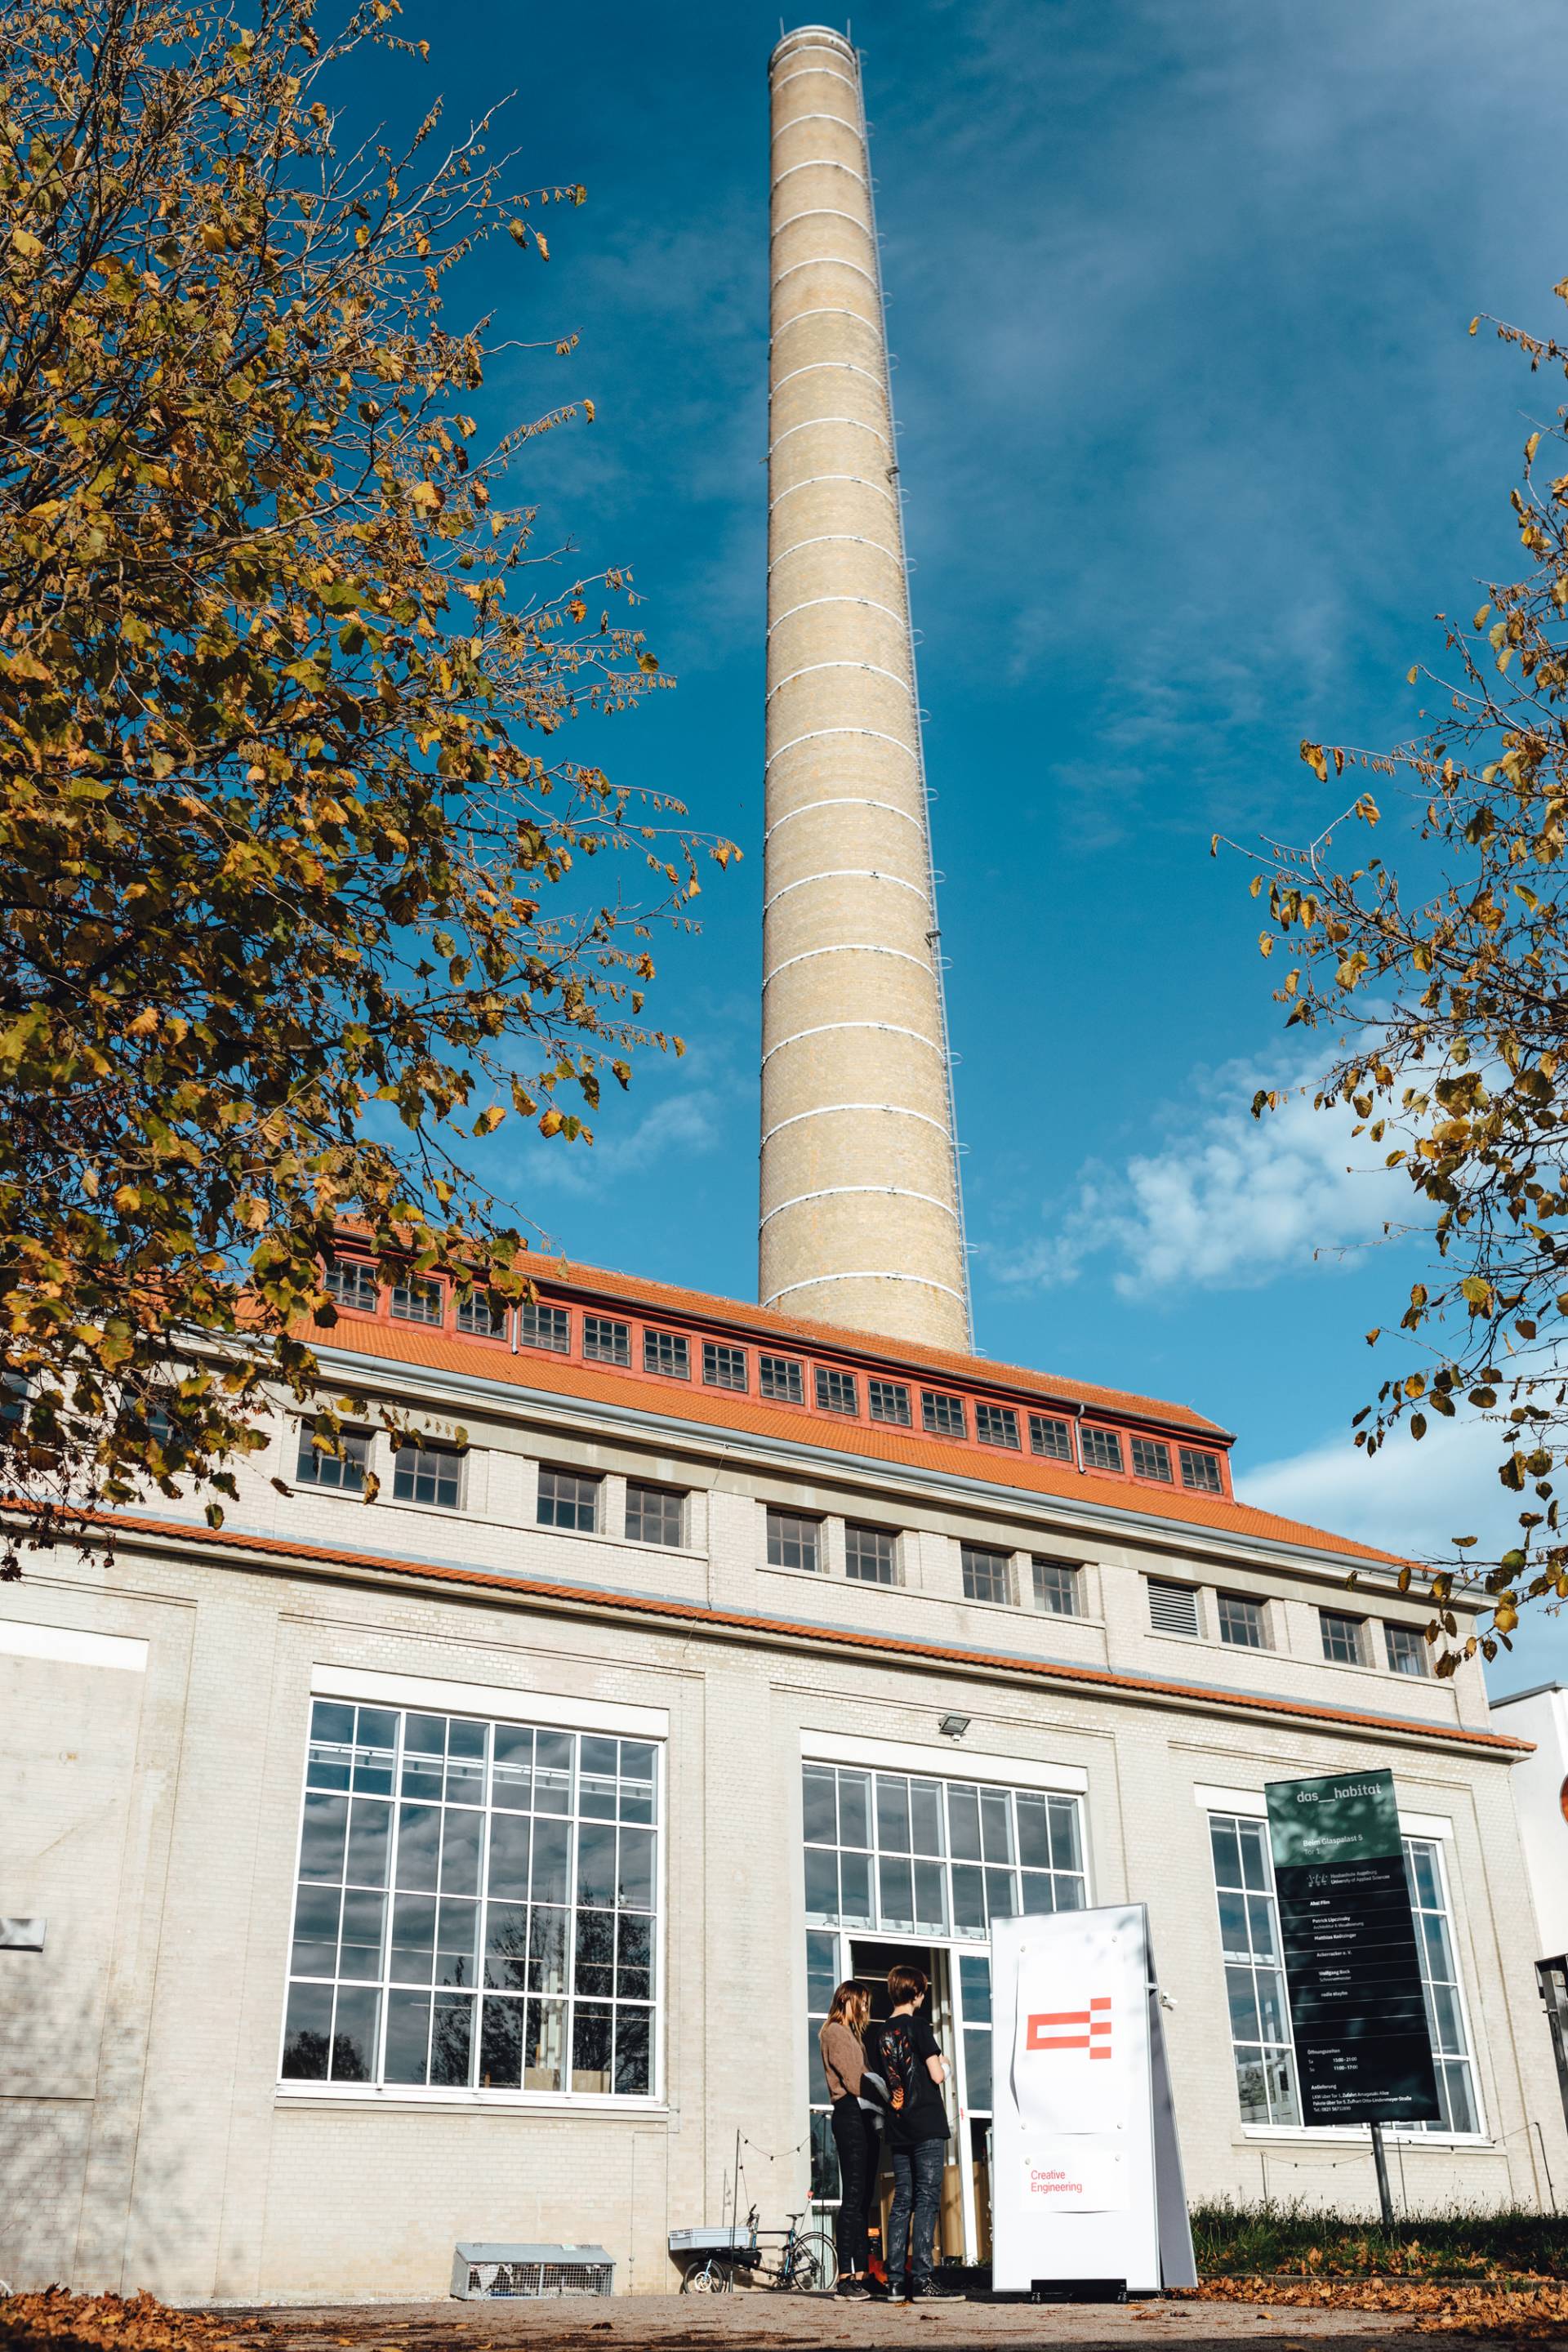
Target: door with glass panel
point(924, 1865)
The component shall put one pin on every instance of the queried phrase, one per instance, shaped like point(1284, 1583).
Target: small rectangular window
point(997, 1424)
point(870, 1554)
point(1050, 1437)
point(351, 1283)
point(567, 1500)
point(943, 1415)
point(339, 1462)
point(431, 1474)
point(793, 1541)
point(1341, 1638)
point(654, 1514)
point(1059, 1588)
point(987, 1575)
point(667, 1352)
point(1102, 1449)
point(1200, 1472)
point(836, 1391)
point(543, 1327)
point(1150, 1460)
point(723, 1366)
point(480, 1318)
point(1406, 1648)
point(780, 1378)
point(1173, 1607)
point(605, 1341)
point(889, 1400)
point(415, 1301)
point(1241, 1621)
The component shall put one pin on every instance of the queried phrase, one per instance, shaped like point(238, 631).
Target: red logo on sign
point(1093, 2025)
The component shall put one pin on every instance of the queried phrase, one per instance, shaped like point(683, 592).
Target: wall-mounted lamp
point(953, 1726)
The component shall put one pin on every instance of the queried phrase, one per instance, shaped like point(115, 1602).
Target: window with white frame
point(1261, 2046)
point(475, 1908)
point(793, 1540)
point(1406, 1648)
point(1441, 1988)
point(1059, 1588)
point(1261, 2039)
point(431, 1474)
point(903, 1852)
point(987, 1574)
point(339, 1461)
point(539, 1326)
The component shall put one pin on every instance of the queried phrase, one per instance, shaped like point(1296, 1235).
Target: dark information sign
point(1351, 1962)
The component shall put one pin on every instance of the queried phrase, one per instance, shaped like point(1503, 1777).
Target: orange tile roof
point(446, 1351)
point(701, 1614)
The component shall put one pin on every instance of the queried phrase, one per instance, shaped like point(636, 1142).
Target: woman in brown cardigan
point(842, 2043)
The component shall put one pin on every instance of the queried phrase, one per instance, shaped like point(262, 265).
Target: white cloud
point(1411, 1499)
point(682, 1125)
point(1230, 1201)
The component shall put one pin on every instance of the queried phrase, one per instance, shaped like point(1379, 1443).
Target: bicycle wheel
point(814, 2266)
point(707, 2278)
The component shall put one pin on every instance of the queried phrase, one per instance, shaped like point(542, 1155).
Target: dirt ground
point(766, 2323)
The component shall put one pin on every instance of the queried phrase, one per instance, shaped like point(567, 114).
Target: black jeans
point(917, 2188)
point(855, 2137)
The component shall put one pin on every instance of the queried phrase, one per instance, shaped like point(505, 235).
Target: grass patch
point(1272, 2240)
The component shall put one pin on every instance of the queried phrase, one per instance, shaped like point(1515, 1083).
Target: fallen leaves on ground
point(1522, 2306)
point(114, 2323)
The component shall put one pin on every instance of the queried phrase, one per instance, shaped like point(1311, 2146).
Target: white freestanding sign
point(1085, 2179)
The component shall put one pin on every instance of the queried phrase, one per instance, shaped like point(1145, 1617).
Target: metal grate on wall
point(1173, 1607)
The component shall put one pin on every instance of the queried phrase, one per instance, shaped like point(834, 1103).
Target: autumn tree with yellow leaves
point(1448, 1003)
point(294, 900)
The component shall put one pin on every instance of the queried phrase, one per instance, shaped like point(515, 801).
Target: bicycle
point(804, 2262)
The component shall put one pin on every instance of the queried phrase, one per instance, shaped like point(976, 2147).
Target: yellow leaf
point(25, 243)
point(543, 248)
point(588, 410)
point(426, 494)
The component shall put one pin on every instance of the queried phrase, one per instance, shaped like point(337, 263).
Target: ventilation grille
point(486, 2273)
point(1173, 1607)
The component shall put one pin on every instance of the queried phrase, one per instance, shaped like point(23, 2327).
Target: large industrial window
point(1254, 1972)
point(351, 1283)
point(1200, 1472)
point(1152, 1459)
point(997, 1424)
point(889, 1400)
point(478, 1315)
point(834, 1391)
point(667, 1352)
point(723, 1366)
point(476, 1908)
point(568, 1500)
point(1343, 1638)
point(1059, 1588)
point(943, 1415)
point(1260, 2029)
point(1241, 1621)
point(902, 1852)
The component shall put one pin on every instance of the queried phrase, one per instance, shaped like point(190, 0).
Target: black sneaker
point(854, 2290)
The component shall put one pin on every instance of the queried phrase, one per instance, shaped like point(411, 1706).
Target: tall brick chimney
point(861, 1215)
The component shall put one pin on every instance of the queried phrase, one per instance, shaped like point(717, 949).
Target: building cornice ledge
point(280, 1555)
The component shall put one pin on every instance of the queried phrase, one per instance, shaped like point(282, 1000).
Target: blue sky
point(1195, 443)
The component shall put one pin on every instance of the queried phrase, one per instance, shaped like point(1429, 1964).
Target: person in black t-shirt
point(915, 2070)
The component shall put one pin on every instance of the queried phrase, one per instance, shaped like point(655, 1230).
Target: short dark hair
point(905, 1983)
